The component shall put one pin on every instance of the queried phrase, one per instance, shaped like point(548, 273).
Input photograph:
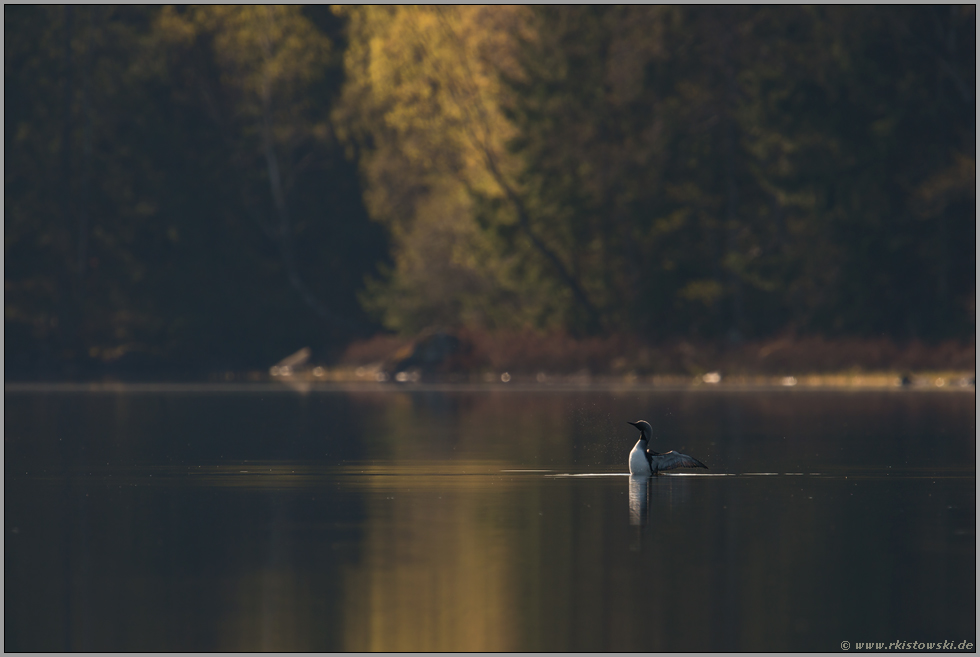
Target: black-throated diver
point(644, 461)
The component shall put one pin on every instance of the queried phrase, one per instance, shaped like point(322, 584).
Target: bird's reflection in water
point(665, 493)
point(639, 509)
point(639, 500)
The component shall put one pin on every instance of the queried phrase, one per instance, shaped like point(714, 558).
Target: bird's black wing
point(672, 460)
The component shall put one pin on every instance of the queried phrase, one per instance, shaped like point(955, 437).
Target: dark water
point(447, 520)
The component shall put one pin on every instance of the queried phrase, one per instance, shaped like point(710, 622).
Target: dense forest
point(197, 188)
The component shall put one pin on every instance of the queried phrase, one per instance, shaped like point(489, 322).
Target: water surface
point(433, 519)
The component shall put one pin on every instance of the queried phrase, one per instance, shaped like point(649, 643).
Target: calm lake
point(418, 518)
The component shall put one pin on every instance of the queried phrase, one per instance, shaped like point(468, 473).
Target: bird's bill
point(635, 424)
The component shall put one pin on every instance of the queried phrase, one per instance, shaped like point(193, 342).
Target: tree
point(743, 171)
point(424, 85)
point(268, 58)
point(167, 164)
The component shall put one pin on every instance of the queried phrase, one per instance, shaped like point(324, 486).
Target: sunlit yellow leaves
point(265, 45)
point(174, 27)
point(433, 75)
point(424, 90)
point(265, 52)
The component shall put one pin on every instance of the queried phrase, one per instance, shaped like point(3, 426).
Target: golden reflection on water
point(483, 556)
point(487, 522)
point(436, 572)
point(268, 610)
point(473, 556)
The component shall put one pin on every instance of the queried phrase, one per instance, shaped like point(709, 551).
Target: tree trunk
point(524, 220)
point(284, 233)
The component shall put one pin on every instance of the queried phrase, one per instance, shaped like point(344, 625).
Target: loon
point(645, 462)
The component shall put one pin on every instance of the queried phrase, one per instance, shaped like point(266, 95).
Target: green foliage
point(196, 185)
point(739, 171)
point(699, 170)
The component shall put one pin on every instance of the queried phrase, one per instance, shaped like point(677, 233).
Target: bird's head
point(646, 431)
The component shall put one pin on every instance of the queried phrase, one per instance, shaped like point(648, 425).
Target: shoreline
point(938, 382)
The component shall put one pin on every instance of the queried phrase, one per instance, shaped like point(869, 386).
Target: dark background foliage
point(716, 172)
